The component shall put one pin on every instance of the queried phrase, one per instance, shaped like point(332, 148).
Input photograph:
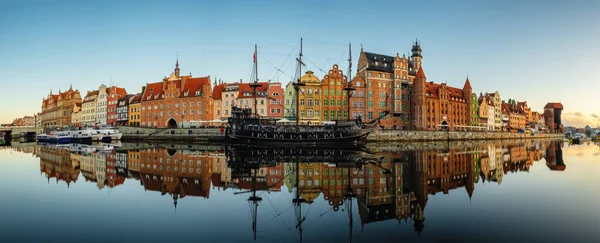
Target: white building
point(491, 118)
point(88, 108)
point(101, 105)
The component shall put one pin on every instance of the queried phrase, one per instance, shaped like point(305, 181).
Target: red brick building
point(114, 93)
point(386, 83)
point(177, 100)
point(275, 107)
point(440, 104)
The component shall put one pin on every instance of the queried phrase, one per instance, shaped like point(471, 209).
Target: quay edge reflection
point(385, 185)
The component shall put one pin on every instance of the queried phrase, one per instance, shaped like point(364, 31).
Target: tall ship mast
point(246, 126)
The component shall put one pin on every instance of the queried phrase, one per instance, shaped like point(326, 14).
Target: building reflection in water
point(385, 185)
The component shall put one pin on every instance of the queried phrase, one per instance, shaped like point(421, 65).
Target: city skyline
point(511, 48)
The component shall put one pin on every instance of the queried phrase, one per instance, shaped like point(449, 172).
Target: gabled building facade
point(102, 105)
point(57, 108)
point(122, 110)
point(89, 108)
point(135, 111)
point(333, 95)
point(289, 98)
point(310, 98)
point(177, 100)
point(114, 94)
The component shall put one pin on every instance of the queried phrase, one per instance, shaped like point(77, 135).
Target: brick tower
point(467, 91)
point(418, 101)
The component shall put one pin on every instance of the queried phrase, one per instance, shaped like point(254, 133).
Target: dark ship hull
point(244, 128)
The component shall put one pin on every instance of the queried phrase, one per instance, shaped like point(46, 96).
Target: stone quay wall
point(415, 136)
point(171, 134)
point(215, 134)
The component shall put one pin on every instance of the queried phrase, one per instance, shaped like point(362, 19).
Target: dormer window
point(197, 92)
point(186, 93)
point(149, 97)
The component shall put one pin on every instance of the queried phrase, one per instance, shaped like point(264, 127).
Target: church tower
point(418, 101)
point(416, 55)
point(177, 67)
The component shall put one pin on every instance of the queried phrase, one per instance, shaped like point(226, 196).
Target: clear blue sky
point(534, 50)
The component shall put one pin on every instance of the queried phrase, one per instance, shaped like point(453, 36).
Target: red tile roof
point(136, 97)
point(154, 91)
point(119, 91)
point(245, 88)
point(434, 89)
point(218, 91)
point(191, 85)
point(455, 93)
point(554, 105)
point(467, 84)
point(420, 73)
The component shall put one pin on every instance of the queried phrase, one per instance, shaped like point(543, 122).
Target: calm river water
point(519, 191)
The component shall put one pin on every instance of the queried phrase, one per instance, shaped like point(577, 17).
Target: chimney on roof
point(241, 81)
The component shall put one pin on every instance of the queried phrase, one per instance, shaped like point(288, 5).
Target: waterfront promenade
point(215, 134)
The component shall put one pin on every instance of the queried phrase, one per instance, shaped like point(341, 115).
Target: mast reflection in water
point(389, 185)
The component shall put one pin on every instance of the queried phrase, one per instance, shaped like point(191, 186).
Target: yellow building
point(135, 111)
point(333, 95)
point(310, 98)
point(309, 180)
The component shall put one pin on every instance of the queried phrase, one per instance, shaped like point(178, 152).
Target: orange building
point(335, 185)
point(56, 163)
point(57, 108)
point(176, 101)
point(177, 172)
point(517, 119)
point(333, 95)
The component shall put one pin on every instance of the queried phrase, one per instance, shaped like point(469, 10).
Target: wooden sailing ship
point(246, 126)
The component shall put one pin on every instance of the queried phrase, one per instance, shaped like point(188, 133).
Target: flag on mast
point(254, 57)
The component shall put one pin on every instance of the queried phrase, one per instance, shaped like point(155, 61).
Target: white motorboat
point(82, 148)
point(81, 136)
point(114, 134)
